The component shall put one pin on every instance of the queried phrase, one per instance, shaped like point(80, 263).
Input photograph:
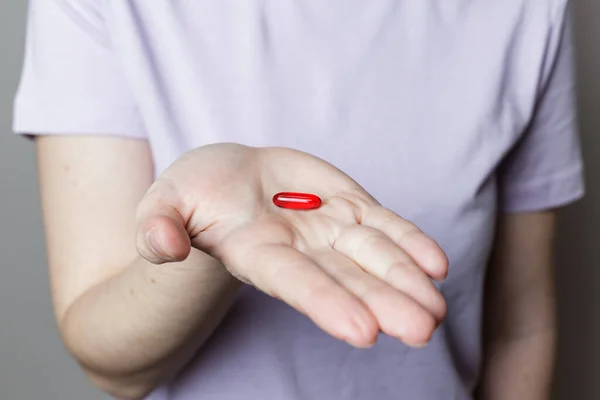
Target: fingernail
point(360, 343)
point(361, 337)
point(154, 244)
point(440, 279)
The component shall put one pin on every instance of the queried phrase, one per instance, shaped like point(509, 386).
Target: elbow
point(120, 386)
point(106, 374)
point(121, 389)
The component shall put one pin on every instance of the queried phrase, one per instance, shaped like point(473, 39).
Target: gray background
point(33, 363)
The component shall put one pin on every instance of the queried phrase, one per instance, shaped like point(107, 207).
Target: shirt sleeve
point(71, 81)
point(544, 170)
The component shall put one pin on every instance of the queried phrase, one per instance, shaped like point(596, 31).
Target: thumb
point(161, 233)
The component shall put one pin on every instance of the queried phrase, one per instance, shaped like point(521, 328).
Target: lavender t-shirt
point(447, 111)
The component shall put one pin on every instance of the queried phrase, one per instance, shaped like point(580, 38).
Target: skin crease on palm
point(352, 266)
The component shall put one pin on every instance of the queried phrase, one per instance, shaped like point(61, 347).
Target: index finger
point(293, 277)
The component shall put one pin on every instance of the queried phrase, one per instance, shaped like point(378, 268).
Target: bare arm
point(129, 323)
point(520, 324)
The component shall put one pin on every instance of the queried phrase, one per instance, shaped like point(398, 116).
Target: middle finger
point(397, 314)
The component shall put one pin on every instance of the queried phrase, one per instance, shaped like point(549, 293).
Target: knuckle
point(388, 216)
point(404, 272)
point(343, 206)
point(359, 200)
point(372, 293)
point(410, 232)
point(372, 239)
point(321, 292)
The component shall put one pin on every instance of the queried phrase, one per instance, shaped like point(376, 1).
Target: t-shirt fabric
point(448, 112)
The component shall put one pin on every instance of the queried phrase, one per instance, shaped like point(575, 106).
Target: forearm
point(519, 345)
point(520, 310)
point(519, 367)
point(141, 326)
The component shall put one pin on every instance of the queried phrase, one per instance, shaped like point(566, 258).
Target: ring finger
point(397, 314)
point(378, 255)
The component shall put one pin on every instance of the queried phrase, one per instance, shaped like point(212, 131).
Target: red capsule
point(297, 201)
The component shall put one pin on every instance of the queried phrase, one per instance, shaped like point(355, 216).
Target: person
point(440, 136)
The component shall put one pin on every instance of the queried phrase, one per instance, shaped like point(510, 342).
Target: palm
point(352, 266)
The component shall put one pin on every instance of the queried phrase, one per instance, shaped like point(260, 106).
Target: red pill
point(297, 201)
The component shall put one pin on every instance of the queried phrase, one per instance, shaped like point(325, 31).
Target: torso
point(419, 101)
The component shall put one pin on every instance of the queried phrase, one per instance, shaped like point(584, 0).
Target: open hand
point(352, 266)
